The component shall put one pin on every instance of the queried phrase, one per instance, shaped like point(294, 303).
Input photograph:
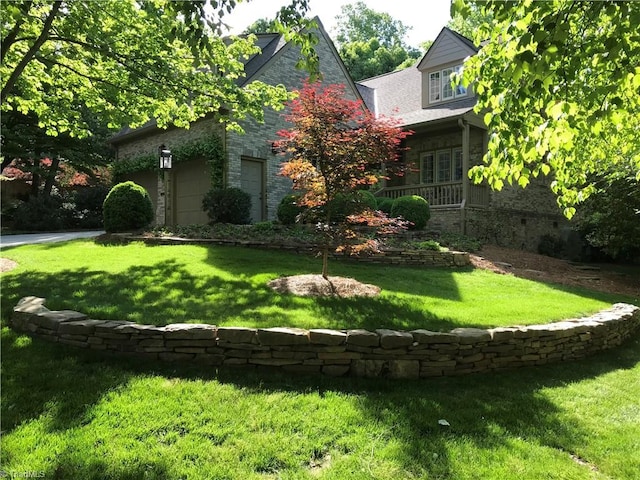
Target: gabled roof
point(399, 94)
point(271, 46)
point(442, 42)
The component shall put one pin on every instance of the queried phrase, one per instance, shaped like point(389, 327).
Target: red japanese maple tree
point(335, 148)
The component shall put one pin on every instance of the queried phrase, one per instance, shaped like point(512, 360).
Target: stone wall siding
point(381, 353)
point(148, 143)
point(256, 141)
point(514, 228)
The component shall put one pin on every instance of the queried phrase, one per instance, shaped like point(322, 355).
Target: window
point(441, 166)
point(434, 87)
point(427, 167)
point(440, 85)
point(447, 89)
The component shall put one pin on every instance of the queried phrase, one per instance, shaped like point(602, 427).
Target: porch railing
point(441, 194)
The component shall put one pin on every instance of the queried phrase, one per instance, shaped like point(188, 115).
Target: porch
point(443, 194)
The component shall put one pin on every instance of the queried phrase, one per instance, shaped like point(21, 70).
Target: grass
point(227, 286)
point(74, 414)
point(68, 413)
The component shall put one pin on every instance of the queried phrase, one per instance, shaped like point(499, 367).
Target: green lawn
point(72, 414)
point(227, 286)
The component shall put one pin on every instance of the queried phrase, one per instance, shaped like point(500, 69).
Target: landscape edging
point(383, 353)
point(391, 256)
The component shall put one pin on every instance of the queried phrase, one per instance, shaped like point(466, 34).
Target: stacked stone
point(391, 353)
point(429, 258)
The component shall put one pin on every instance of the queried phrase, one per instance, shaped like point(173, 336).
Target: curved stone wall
point(396, 354)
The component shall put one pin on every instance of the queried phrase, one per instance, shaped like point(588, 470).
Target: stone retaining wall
point(396, 354)
point(391, 256)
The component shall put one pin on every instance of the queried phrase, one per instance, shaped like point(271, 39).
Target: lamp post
point(165, 162)
point(165, 157)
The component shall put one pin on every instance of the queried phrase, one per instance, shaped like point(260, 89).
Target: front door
point(252, 171)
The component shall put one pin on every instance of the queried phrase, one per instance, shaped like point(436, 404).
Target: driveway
point(16, 240)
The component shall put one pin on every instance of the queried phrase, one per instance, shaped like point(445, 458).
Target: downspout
point(465, 172)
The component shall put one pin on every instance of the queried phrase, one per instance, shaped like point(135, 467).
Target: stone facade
point(255, 143)
point(382, 353)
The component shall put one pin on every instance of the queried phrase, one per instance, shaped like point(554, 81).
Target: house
point(448, 139)
point(248, 160)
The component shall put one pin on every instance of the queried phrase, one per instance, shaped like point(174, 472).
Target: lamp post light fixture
point(165, 157)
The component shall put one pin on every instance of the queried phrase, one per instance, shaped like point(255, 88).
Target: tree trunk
point(51, 177)
point(325, 263)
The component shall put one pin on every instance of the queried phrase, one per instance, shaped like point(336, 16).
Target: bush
point(552, 246)
point(413, 208)
point(88, 206)
point(459, 242)
point(288, 210)
point(385, 204)
point(367, 198)
point(42, 213)
point(227, 205)
point(127, 207)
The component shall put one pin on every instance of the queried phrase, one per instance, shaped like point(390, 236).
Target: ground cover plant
point(228, 286)
point(68, 413)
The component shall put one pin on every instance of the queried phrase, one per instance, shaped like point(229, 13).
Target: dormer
point(444, 58)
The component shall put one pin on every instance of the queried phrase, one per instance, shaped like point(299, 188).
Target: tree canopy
point(558, 83)
point(372, 43)
point(129, 61)
point(335, 148)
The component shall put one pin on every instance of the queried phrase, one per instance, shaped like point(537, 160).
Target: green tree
point(470, 20)
point(559, 85)
point(25, 146)
point(372, 43)
point(262, 25)
point(130, 61)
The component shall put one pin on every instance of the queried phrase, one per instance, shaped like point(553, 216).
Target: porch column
point(465, 173)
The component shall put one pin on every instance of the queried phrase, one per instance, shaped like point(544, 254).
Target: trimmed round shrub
point(385, 204)
point(413, 208)
point(227, 205)
point(367, 198)
point(127, 207)
point(288, 209)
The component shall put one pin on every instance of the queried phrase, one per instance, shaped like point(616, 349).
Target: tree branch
point(11, 36)
point(17, 71)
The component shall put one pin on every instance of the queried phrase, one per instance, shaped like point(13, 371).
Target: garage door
point(191, 180)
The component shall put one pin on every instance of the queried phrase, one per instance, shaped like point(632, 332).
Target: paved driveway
point(15, 240)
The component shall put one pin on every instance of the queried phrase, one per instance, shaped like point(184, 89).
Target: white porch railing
point(441, 194)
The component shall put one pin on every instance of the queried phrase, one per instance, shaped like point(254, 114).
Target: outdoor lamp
point(165, 157)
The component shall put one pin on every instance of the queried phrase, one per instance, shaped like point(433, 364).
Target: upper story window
point(440, 85)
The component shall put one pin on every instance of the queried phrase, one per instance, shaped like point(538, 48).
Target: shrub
point(551, 246)
point(427, 245)
point(127, 207)
point(463, 243)
point(367, 198)
point(385, 204)
point(288, 209)
point(88, 206)
point(413, 208)
point(42, 213)
point(227, 205)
